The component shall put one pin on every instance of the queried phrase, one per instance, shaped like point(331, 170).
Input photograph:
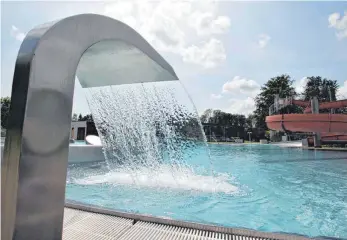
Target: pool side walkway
point(82, 222)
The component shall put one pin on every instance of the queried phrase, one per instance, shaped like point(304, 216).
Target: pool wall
point(80, 153)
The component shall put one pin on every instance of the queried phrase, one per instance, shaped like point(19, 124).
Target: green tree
point(88, 118)
point(282, 85)
point(80, 118)
point(222, 124)
point(206, 116)
point(5, 111)
point(250, 122)
point(324, 89)
point(74, 117)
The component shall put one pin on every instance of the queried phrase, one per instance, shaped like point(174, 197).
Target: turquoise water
point(79, 142)
point(261, 187)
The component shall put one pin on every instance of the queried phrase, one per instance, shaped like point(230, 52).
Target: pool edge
point(185, 224)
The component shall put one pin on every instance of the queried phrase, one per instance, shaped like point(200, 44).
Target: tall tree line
point(237, 124)
point(225, 125)
point(322, 88)
point(283, 85)
point(5, 110)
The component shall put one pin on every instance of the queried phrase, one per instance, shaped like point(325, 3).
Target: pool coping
point(326, 149)
point(185, 224)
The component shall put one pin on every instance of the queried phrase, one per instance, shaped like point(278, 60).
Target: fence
point(280, 104)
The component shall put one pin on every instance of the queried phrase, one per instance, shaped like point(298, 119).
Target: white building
point(78, 130)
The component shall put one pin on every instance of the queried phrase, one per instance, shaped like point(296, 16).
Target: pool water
point(262, 187)
point(79, 142)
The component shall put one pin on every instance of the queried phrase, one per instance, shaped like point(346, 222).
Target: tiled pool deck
point(107, 225)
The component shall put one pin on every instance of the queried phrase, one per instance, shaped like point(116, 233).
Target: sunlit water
point(157, 162)
point(261, 187)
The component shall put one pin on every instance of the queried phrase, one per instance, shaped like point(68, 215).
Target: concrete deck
point(87, 225)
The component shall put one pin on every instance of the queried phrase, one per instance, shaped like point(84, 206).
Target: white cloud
point(339, 23)
point(300, 85)
point(206, 23)
point(209, 54)
point(16, 33)
point(241, 85)
point(188, 30)
point(241, 106)
point(183, 28)
point(263, 40)
point(342, 91)
point(216, 96)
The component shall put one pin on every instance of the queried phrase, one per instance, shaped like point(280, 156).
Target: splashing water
point(185, 179)
point(150, 131)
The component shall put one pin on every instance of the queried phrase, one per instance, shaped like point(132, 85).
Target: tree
point(329, 90)
point(206, 116)
point(282, 85)
point(5, 111)
point(80, 118)
point(322, 88)
point(222, 124)
point(88, 118)
point(74, 117)
point(250, 122)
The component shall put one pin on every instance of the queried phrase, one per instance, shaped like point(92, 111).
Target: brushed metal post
point(33, 171)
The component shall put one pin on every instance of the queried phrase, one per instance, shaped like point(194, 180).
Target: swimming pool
point(261, 187)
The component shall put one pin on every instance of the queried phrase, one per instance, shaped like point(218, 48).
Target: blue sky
point(222, 51)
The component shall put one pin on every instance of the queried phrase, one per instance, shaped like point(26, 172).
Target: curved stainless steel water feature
point(36, 147)
point(37, 140)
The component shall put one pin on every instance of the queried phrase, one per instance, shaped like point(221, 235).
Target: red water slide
point(331, 126)
point(308, 122)
point(324, 105)
point(329, 105)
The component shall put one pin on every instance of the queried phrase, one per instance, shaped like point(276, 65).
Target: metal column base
point(317, 140)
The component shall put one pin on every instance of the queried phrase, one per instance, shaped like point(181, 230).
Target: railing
point(280, 104)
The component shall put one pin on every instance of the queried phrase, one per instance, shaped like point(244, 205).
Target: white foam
point(297, 144)
point(93, 140)
point(164, 177)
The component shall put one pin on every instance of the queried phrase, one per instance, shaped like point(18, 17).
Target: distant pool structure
point(261, 187)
